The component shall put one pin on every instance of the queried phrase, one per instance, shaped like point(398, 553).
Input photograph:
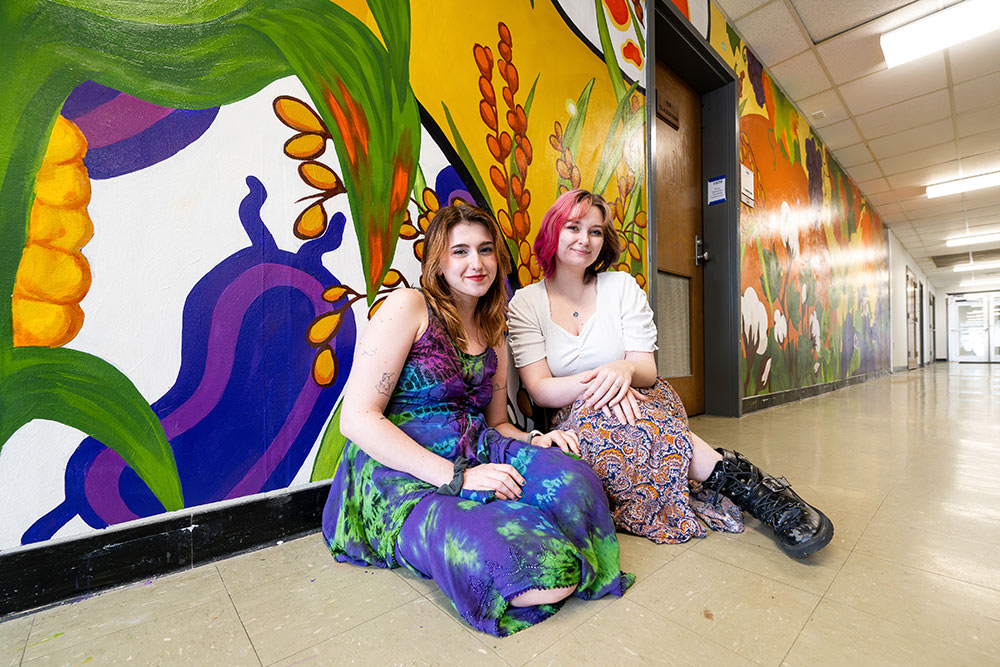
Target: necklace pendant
point(576, 313)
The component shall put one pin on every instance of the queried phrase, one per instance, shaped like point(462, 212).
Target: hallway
point(905, 465)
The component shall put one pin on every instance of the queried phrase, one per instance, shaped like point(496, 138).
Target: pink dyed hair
point(574, 205)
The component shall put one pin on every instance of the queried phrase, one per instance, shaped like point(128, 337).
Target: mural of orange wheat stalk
point(508, 177)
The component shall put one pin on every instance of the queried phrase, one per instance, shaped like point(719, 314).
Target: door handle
point(700, 254)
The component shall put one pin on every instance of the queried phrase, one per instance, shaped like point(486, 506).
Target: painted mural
point(194, 233)
point(814, 257)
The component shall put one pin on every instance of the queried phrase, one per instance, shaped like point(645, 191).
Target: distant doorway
point(912, 321)
point(933, 327)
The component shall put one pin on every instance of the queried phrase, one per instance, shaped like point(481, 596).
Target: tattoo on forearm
point(497, 386)
point(368, 353)
point(385, 385)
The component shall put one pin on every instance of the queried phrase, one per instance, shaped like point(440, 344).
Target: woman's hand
point(627, 410)
point(504, 479)
point(568, 441)
point(608, 385)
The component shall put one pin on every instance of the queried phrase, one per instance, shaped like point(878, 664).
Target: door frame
point(674, 40)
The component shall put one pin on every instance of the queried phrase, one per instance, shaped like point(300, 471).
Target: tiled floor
point(907, 466)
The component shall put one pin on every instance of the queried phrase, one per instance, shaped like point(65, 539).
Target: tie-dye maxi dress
point(481, 551)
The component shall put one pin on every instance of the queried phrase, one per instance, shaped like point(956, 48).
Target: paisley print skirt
point(644, 469)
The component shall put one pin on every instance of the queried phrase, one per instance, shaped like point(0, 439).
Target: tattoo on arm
point(385, 385)
point(368, 353)
point(498, 386)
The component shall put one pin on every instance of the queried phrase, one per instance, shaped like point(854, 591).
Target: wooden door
point(680, 283)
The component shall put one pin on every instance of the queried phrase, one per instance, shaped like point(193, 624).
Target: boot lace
point(775, 504)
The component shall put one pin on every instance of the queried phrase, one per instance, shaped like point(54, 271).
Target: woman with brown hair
point(583, 341)
point(435, 478)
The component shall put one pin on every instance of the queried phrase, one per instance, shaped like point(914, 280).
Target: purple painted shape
point(225, 327)
point(278, 447)
point(103, 475)
point(121, 118)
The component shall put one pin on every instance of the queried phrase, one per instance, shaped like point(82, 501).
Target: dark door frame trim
point(672, 39)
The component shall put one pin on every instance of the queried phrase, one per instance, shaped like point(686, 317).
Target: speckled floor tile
point(13, 640)
point(70, 624)
point(284, 616)
point(276, 562)
point(209, 634)
point(630, 634)
point(838, 635)
point(930, 603)
point(747, 613)
point(417, 633)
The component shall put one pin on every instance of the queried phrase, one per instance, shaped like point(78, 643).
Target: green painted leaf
point(331, 447)
point(638, 31)
point(574, 126)
point(89, 394)
point(466, 157)
point(610, 57)
point(611, 155)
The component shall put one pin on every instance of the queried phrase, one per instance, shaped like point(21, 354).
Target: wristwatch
point(532, 433)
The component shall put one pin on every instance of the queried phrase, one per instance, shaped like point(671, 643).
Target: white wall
point(899, 262)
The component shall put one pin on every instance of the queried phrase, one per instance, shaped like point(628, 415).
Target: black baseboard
point(38, 575)
point(753, 403)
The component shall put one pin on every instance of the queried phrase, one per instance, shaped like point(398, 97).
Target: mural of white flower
point(754, 316)
point(766, 371)
point(780, 327)
point(789, 230)
point(814, 330)
point(804, 294)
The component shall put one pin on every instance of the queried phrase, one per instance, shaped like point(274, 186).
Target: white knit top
point(622, 322)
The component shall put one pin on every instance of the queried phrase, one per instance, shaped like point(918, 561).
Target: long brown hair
point(491, 309)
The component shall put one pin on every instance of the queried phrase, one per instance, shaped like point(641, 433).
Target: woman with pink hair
point(583, 340)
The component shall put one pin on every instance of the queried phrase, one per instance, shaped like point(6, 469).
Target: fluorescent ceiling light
point(938, 31)
point(978, 266)
point(972, 240)
point(979, 283)
point(989, 180)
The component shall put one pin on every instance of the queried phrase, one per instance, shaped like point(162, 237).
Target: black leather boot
point(800, 528)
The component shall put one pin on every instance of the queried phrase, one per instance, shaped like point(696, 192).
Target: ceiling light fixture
point(938, 31)
point(977, 266)
point(979, 283)
point(974, 239)
point(968, 184)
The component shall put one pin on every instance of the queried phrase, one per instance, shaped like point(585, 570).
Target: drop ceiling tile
point(882, 199)
point(874, 186)
point(981, 164)
point(800, 76)
point(923, 177)
point(851, 156)
point(978, 93)
point(864, 172)
point(932, 208)
point(914, 139)
point(824, 19)
point(925, 157)
point(976, 57)
point(979, 143)
point(974, 122)
point(889, 211)
point(896, 85)
point(909, 114)
point(840, 134)
point(772, 33)
point(909, 192)
point(734, 9)
point(828, 103)
point(857, 53)
point(983, 202)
